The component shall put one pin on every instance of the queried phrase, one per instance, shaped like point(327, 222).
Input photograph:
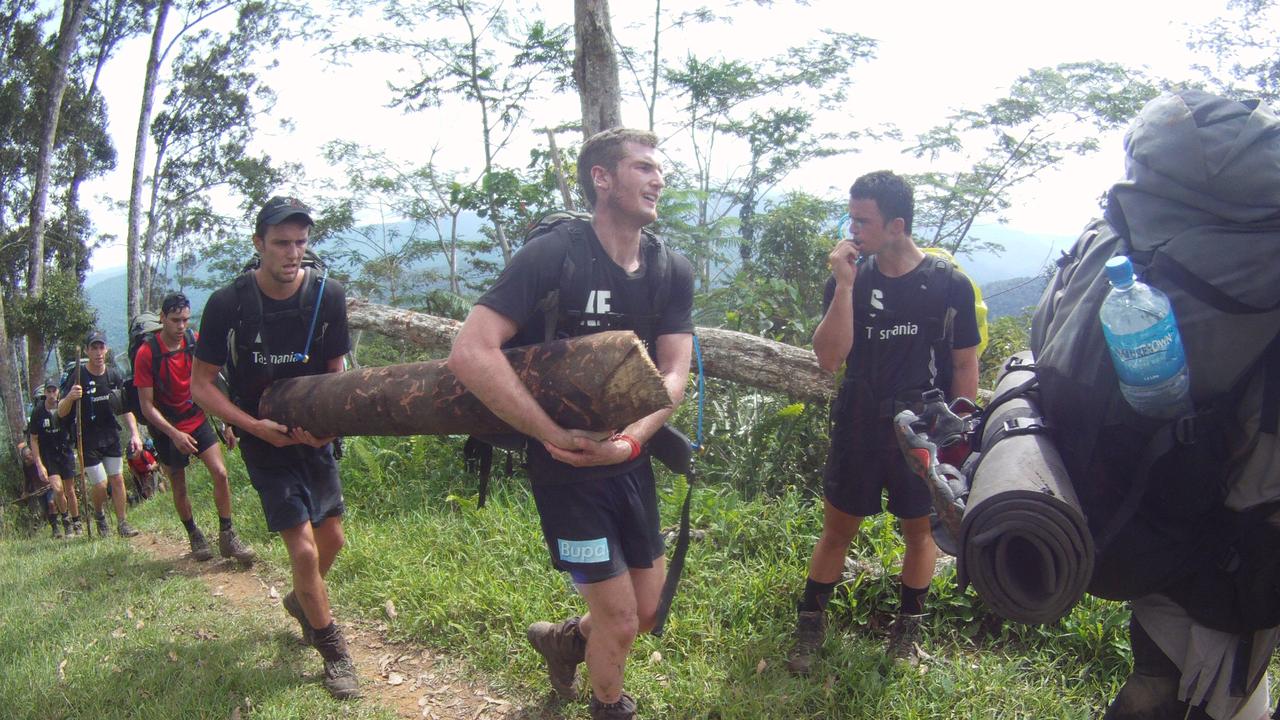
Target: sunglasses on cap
point(176, 301)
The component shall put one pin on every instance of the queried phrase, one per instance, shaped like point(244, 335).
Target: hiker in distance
point(893, 321)
point(180, 429)
point(55, 460)
point(91, 386)
point(595, 494)
point(36, 489)
point(279, 321)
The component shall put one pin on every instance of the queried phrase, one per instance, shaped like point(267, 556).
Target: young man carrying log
point(594, 492)
point(180, 428)
point(91, 385)
point(272, 323)
point(887, 322)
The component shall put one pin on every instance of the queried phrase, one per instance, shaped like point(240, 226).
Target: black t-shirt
point(100, 426)
point(50, 430)
point(894, 335)
point(536, 270)
point(286, 336)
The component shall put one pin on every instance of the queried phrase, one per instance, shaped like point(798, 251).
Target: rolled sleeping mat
point(1025, 542)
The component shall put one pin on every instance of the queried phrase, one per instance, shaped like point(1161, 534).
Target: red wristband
point(635, 444)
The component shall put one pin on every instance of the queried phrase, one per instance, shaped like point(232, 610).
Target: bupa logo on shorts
point(584, 551)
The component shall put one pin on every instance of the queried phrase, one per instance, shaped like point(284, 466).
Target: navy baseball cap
point(280, 208)
point(96, 336)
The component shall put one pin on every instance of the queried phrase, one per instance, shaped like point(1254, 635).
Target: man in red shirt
point(180, 428)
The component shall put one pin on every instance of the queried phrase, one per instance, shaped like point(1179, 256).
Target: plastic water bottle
point(1146, 348)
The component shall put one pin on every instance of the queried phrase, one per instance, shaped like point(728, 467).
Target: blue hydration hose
point(305, 355)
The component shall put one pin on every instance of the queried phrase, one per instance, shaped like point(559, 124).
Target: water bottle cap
point(1119, 271)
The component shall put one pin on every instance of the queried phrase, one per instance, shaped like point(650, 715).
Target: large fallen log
point(728, 355)
point(597, 382)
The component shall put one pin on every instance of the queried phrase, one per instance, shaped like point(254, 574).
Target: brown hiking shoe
point(811, 631)
point(624, 709)
point(229, 546)
point(294, 608)
point(126, 530)
point(904, 639)
point(563, 647)
point(199, 546)
point(77, 528)
point(101, 522)
point(340, 678)
point(57, 530)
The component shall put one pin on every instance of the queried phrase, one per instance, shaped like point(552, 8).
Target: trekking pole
point(80, 478)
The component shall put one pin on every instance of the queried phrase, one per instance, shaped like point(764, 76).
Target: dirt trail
point(412, 681)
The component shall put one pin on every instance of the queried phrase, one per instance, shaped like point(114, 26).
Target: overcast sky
point(933, 57)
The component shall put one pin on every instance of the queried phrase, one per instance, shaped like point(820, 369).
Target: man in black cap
point(55, 461)
point(162, 374)
point(92, 385)
point(281, 320)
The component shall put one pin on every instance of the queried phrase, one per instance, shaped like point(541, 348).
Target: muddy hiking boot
point(624, 709)
point(904, 639)
point(563, 647)
point(126, 530)
point(101, 522)
point(230, 546)
point(199, 546)
point(77, 528)
point(294, 608)
point(339, 670)
point(57, 530)
point(811, 631)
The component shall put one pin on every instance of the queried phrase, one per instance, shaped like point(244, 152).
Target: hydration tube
point(305, 355)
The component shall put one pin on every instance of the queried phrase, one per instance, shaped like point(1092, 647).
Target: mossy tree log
point(597, 382)
point(727, 355)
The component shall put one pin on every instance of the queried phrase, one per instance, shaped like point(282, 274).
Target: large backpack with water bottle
point(1189, 507)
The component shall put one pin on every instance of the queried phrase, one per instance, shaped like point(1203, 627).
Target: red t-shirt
point(176, 396)
point(141, 461)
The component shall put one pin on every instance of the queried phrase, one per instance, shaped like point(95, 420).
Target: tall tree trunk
point(68, 36)
point(561, 181)
point(134, 277)
point(595, 67)
point(10, 387)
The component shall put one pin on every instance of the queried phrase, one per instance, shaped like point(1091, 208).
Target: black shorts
point(171, 457)
point(307, 490)
point(62, 464)
point(859, 471)
point(599, 529)
point(102, 447)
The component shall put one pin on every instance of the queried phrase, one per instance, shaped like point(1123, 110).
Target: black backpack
point(144, 330)
point(1185, 508)
point(248, 380)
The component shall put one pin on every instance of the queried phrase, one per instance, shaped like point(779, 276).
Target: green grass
point(468, 581)
point(135, 640)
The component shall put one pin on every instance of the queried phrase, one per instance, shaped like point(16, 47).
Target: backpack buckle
point(1184, 430)
point(1023, 426)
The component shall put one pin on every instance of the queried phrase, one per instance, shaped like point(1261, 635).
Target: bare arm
point(477, 361)
point(964, 369)
point(207, 396)
point(35, 455)
point(833, 339)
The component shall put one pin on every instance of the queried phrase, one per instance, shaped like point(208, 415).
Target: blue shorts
point(599, 529)
point(307, 490)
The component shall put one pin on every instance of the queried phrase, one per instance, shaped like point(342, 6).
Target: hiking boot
point(811, 631)
point(904, 639)
point(101, 522)
point(340, 678)
point(57, 530)
point(563, 647)
point(294, 608)
point(77, 528)
point(624, 709)
point(229, 546)
point(126, 530)
point(199, 546)
point(66, 528)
